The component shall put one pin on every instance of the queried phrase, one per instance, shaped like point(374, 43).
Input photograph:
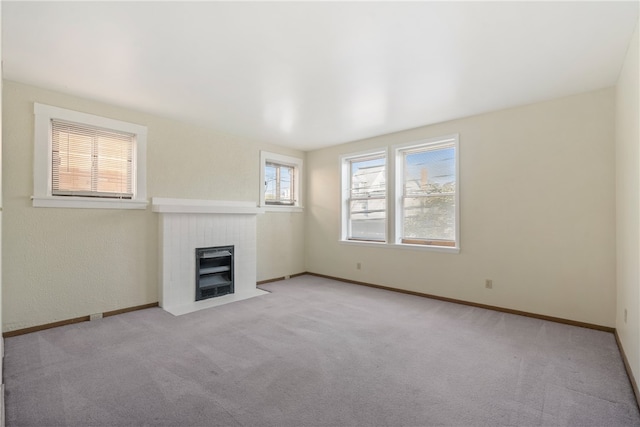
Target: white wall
point(67, 263)
point(628, 206)
point(537, 213)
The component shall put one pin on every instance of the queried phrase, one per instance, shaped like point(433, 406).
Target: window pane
point(429, 218)
point(71, 162)
point(114, 165)
point(367, 203)
point(90, 161)
point(368, 219)
point(368, 178)
point(429, 211)
point(279, 184)
point(430, 171)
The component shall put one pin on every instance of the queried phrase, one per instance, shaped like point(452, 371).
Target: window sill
point(86, 203)
point(426, 248)
point(402, 246)
point(272, 208)
point(363, 243)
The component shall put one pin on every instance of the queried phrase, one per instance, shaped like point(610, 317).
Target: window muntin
point(427, 208)
point(88, 161)
point(280, 184)
point(367, 199)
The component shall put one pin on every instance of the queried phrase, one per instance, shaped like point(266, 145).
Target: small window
point(364, 181)
point(426, 182)
point(280, 181)
point(280, 184)
point(87, 161)
point(91, 162)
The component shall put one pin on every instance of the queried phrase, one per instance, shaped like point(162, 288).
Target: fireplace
point(214, 272)
point(215, 227)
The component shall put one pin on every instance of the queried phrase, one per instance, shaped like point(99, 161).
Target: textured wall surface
point(628, 206)
point(537, 193)
point(67, 263)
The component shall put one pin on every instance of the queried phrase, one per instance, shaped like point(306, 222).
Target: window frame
point(280, 159)
point(345, 181)
point(42, 161)
point(398, 151)
point(395, 181)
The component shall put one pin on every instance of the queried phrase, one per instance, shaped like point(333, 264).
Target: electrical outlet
point(95, 316)
point(488, 284)
point(358, 266)
point(625, 315)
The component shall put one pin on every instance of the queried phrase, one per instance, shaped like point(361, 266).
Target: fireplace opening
point(214, 272)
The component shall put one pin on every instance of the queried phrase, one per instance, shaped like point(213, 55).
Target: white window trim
point(297, 163)
point(394, 196)
point(344, 206)
point(398, 183)
point(42, 196)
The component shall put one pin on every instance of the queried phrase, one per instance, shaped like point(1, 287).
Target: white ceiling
point(309, 75)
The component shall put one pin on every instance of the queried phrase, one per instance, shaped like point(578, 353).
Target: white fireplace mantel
point(187, 224)
point(163, 205)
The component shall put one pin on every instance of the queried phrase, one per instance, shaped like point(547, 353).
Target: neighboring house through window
point(419, 197)
point(364, 178)
point(426, 186)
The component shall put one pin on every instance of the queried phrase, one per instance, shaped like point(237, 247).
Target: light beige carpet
point(316, 352)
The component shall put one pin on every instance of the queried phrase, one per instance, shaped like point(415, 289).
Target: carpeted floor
point(316, 352)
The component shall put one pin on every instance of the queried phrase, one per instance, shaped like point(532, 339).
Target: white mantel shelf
point(163, 205)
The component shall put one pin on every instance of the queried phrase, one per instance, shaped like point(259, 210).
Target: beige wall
point(628, 206)
point(2, 417)
point(537, 213)
point(66, 263)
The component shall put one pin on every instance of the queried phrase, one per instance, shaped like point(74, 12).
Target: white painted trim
point(87, 203)
point(165, 205)
point(297, 163)
point(271, 208)
point(179, 310)
point(42, 196)
point(398, 182)
point(402, 246)
point(345, 184)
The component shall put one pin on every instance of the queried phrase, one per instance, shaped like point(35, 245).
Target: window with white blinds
point(90, 161)
point(86, 161)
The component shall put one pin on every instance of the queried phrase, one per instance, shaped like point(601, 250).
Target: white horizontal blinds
point(91, 161)
point(367, 198)
point(279, 184)
point(429, 195)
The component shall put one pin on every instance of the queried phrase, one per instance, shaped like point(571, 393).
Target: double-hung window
point(426, 192)
point(410, 201)
point(365, 204)
point(87, 161)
